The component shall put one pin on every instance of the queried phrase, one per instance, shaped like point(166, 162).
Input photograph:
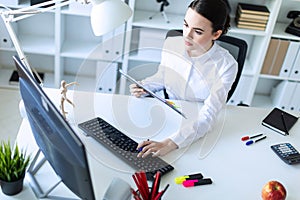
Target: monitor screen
point(56, 139)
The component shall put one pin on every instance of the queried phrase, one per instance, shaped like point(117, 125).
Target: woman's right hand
point(136, 90)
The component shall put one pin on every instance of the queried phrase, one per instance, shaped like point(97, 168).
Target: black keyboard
point(123, 147)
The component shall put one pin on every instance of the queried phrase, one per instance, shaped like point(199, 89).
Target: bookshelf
point(250, 16)
point(61, 44)
point(61, 50)
point(268, 84)
point(254, 89)
point(257, 40)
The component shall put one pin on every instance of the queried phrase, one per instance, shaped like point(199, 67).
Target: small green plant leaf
point(13, 162)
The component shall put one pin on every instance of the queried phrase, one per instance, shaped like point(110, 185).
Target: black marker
point(251, 141)
point(284, 124)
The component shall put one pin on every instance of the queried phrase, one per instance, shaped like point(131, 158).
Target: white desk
point(238, 171)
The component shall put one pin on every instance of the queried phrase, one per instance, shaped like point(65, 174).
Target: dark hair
point(216, 11)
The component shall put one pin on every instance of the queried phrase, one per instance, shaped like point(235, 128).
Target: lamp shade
point(107, 15)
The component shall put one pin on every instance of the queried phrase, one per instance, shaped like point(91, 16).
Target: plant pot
point(12, 188)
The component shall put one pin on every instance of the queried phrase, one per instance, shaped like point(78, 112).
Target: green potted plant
point(13, 165)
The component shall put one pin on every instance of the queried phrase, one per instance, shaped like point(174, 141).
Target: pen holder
point(141, 197)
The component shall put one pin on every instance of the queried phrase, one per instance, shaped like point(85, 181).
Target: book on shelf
point(251, 27)
point(280, 121)
point(250, 24)
point(258, 21)
point(253, 9)
point(251, 16)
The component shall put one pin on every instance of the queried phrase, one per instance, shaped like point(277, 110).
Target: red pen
point(143, 178)
point(250, 137)
point(139, 185)
point(135, 195)
point(155, 186)
point(159, 195)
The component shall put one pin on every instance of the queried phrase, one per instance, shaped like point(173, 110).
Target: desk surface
point(238, 171)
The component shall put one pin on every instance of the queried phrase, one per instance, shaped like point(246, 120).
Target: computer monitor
point(56, 139)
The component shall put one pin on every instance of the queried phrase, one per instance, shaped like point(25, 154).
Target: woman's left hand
point(156, 148)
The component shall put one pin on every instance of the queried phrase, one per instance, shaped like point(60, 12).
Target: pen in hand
point(141, 148)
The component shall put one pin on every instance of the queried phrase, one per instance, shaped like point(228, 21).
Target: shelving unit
point(61, 44)
point(266, 83)
point(55, 45)
point(257, 40)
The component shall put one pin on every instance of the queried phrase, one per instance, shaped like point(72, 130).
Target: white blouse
point(206, 78)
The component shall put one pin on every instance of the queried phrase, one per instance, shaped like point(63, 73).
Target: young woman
point(194, 68)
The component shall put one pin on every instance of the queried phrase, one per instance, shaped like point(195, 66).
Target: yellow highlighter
point(171, 103)
point(180, 179)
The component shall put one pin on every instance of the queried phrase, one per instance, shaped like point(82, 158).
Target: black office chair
point(237, 48)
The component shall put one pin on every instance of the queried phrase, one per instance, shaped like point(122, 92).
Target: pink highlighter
point(196, 182)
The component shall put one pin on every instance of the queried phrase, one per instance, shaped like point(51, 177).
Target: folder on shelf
point(269, 58)
point(295, 73)
point(289, 59)
point(295, 103)
point(279, 121)
point(282, 49)
point(241, 93)
point(106, 74)
point(275, 56)
point(112, 44)
point(282, 94)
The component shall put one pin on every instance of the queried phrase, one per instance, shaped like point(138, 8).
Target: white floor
point(10, 118)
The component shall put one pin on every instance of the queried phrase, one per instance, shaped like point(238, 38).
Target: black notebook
point(280, 121)
point(253, 9)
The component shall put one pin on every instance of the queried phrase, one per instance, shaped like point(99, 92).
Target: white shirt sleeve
point(209, 83)
point(207, 116)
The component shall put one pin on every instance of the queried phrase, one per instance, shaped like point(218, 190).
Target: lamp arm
point(8, 16)
point(35, 9)
point(16, 43)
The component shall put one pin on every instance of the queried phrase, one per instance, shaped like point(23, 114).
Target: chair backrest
point(237, 48)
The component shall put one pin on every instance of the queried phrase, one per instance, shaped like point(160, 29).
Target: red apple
point(273, 190)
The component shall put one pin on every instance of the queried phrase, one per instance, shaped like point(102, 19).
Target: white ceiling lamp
point(108, 14)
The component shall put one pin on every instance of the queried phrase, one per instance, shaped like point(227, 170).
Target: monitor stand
point(38, 161)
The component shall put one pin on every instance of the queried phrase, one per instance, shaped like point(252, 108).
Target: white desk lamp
point(103, 18)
